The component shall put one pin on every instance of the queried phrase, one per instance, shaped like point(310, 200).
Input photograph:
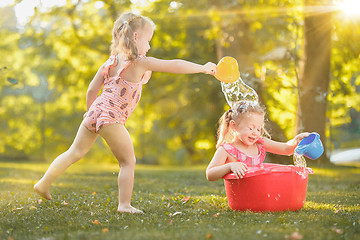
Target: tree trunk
point(315, 74)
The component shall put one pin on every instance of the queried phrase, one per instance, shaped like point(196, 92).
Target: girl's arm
point(94, 87)
point(217, 167)
point(287, 148)
point(176, 66)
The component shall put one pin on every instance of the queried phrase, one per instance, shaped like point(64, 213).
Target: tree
point(176, 120)
point(315, 73)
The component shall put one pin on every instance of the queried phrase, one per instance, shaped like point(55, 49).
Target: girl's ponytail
point(223, 129)
point(123, 42)
point(127, 42)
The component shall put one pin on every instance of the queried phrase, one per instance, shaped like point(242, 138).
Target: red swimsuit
point(242, 157)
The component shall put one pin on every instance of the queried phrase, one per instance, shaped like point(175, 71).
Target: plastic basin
point(268, 187)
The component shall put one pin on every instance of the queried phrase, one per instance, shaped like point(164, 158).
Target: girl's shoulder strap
point(230, 149)
point(112, 61)
point(260, 141)
point(227, 146)
point(125, 64)
point(145, 78)
point(261, 146)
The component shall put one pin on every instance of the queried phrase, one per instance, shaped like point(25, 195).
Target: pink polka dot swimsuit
point(242, 157)
point(117, 100)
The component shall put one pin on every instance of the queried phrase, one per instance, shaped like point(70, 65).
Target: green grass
point(332, 209)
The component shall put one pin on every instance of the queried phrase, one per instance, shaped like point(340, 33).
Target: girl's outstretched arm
point(218, 168)
point(287, 148)
point(94, 87)
point(176, 66)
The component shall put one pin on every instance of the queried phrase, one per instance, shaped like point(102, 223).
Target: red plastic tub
point(268, 187)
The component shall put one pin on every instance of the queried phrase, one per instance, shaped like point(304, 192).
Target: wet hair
point(237, 113)
point(123, 42)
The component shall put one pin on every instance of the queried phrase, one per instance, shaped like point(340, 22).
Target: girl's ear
point(232, 125)
point(136, 35)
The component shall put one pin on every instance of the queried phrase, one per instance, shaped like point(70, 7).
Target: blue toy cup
point(310, 146)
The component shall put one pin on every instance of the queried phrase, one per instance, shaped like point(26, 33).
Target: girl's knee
point(131, 162)
point(75, 155)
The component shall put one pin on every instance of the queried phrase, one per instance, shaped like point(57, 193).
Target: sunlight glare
point(26, 8)
point(5, 3)
point(350, 7)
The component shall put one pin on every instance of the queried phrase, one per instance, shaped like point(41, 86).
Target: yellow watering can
point(227, 70)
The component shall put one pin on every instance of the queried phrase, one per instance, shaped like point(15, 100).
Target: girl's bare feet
point(42, 191)
point(129, 209)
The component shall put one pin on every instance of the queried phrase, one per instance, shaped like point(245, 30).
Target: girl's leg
point(82, 143)
point(119, 141)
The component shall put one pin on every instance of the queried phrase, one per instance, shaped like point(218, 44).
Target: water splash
point(237, 91)
point(299, 161)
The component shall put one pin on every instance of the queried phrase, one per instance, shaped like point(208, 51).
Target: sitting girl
point(241, 143)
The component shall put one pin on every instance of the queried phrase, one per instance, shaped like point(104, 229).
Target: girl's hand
point(210, 68)
point(300, 137)
point(238, 168)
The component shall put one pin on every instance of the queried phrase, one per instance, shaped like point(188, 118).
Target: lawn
point(179, 203)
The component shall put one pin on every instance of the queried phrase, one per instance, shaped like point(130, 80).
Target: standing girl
point(241, 143)
point(121, 77)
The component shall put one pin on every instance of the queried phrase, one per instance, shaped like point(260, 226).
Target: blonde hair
point(236, 114)
point(123, 42)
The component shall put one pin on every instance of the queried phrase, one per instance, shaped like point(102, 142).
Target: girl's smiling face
point(249, 129)
point(143, 37)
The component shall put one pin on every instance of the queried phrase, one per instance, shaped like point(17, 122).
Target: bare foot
point(129, 209)
point(43, 192)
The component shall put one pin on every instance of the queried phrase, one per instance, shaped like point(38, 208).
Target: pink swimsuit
point(242, 157)
point(117, 100)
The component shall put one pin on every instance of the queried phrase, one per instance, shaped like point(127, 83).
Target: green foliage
point(344, 97)
point(55, 56)
point(54, 60)
point(177, 111)
point(179, 203)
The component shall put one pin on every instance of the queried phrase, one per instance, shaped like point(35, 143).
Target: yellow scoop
point(227, 70)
